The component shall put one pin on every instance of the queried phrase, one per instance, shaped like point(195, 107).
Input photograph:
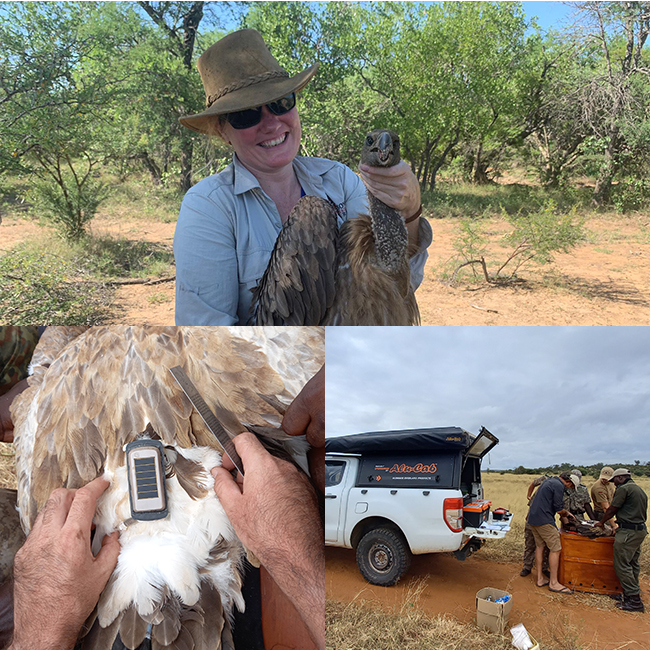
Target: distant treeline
point(636, 467)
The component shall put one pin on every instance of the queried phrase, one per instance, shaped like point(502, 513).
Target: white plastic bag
point(520, 638)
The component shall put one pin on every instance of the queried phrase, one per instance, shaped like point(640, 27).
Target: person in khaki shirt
point(602, 493)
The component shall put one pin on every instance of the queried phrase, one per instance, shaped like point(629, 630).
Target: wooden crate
point(588, 564)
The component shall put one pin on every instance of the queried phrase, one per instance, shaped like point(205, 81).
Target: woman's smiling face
point(268, 146)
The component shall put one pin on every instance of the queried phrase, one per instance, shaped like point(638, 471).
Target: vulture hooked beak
point(384, 147)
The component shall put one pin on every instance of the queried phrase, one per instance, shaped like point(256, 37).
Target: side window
point(334, 472)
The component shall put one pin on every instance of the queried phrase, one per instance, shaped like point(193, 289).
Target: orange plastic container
point(588, 564)
point(475, 513)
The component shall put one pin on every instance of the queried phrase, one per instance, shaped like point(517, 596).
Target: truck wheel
point(383, 556)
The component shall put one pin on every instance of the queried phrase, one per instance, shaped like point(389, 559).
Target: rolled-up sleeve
point(206, 263)
point(420, 257)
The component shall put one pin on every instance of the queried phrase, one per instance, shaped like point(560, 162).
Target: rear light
point(452, 512)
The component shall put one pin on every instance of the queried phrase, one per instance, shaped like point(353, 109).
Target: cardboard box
point(489, 614)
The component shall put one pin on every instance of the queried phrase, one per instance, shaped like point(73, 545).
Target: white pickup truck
point(390, 494)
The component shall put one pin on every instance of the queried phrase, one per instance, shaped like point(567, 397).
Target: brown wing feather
point(365, 294)
point(120, 382)
point(298, 284)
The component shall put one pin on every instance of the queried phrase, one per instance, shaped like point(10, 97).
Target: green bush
point(534, 239)
point(69, 204)
point(631, 194)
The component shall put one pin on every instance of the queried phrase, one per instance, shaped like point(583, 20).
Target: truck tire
point(383, 556)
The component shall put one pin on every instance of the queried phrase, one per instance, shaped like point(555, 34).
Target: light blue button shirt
point(227, 228)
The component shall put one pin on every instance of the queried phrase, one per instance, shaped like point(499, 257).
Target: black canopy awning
point(407, 440)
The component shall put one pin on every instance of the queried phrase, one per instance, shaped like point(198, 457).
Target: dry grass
point(7, 466)
point(509, 491)
point(364, 625)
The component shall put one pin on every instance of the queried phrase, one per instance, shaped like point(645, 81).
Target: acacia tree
point(55, 85)
point(618, 96)
point(179, 23)
point(556, 141)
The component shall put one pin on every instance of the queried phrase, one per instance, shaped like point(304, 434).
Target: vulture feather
point(177, 579)
point(355, 274)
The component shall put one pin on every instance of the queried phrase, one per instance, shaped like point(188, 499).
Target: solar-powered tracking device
point(146, 472)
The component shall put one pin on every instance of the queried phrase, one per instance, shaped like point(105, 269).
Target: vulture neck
point(391, 237)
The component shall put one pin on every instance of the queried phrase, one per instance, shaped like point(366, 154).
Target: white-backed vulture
point(358, 274)
point(177, 578)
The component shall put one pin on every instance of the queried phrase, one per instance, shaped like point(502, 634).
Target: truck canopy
point(439, 438)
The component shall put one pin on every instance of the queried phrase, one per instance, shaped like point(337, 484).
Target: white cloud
point(575, 394)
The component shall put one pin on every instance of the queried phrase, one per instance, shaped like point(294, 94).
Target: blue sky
point(549, 14)
point(550, 394)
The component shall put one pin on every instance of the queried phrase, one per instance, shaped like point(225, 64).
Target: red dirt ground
point(605, 281)
point(451, 588)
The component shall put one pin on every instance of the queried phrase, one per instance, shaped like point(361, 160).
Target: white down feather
point(168, 551)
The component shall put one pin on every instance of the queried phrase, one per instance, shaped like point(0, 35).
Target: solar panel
point(145, 478)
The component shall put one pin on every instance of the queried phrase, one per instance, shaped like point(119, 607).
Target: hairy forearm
point(302, 579)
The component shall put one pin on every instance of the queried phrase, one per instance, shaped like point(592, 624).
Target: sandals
point(564, 590)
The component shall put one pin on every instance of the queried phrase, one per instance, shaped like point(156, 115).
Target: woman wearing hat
point(229, 222)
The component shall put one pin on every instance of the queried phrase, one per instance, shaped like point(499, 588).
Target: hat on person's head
point(239, 72)
point(576, 472)
point(575, 480)
point(606, 472)
point(620, 472)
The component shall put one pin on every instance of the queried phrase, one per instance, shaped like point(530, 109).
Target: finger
point(227, 463)
point(106, 559)
point(250, 448)
point(84, 504)
point(227, 490)
point(394, 170)
point(55, 511)
point(306, 413)
point(297, 418)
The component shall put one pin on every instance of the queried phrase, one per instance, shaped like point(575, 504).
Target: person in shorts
point(548, 502)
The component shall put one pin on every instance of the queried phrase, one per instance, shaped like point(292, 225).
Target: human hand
point(274, 510)
point(396, 186)
point(600, 524)
point(6, 423)
point(306, 416)
point(57, 579)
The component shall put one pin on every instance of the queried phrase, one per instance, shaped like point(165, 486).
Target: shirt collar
point(310, 179)
point(244, 179)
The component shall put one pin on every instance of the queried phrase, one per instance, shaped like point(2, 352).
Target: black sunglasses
point(252, 116)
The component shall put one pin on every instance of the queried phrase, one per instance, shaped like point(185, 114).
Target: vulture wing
point(297, 287)
point(109, 386)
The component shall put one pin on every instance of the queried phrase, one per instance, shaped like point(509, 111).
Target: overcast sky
point(550, 394)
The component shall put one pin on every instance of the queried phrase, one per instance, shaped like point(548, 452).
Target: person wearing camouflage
point(578, 501)
point(16, 348)
point(630, 505)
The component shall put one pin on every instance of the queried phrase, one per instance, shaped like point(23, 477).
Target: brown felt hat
point(239, 72)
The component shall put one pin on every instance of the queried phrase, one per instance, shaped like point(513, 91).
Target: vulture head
point(381, 149)
point(177, 578)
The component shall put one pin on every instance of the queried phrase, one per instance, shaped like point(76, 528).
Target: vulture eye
point(369, 140)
